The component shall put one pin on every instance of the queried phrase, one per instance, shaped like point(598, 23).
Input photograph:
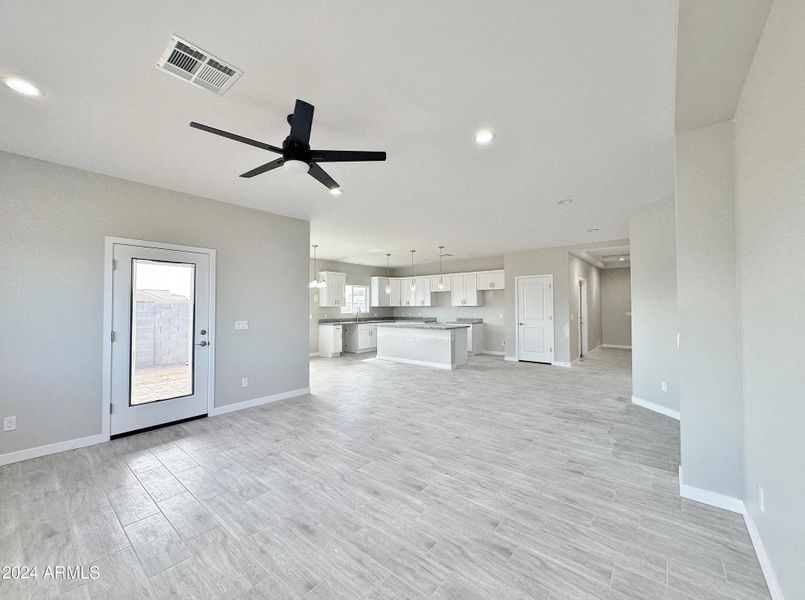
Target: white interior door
point(161, 320)
point(535, 318)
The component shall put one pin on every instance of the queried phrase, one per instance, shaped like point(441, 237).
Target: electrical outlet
point(9, 423)
point(241, 325)
point(244, 382)
point(761, 499)
point(663, 386)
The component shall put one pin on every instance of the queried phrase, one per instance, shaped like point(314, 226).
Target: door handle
point(521, 324)
point(203, 343)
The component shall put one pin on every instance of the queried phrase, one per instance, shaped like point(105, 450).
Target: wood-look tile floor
point(495, 481)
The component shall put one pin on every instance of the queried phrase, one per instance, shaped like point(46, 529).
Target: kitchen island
point(439, 345)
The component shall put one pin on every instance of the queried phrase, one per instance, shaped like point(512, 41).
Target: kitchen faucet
point(357, 314)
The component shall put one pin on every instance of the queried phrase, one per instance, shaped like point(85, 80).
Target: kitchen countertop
point(430, 325)
point(468, 320)
point(376, 321)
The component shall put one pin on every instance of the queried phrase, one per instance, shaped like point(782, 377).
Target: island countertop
point(438, 326)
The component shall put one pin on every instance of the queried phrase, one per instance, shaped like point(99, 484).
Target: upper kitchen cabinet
point(422, 295)
point(407, 295)
point(335, 292)
point(395, 287)
point(377, 291)
point(464, 290)
point(434, 283)
point(491, 280)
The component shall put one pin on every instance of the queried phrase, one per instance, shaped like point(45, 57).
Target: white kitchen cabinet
point(331, 340)
point(395, 286)
point(491, 280)
point(360, 337)
point(407, 297)
point(422, 295)
point(464, 290)
point(377, 292)
point(335, 292)
point(434, 283)
point(475, 338)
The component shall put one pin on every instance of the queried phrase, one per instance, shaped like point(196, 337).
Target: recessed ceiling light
point(592, 229)
point(26, 88)
point(336, 191)
point(566, 201)
point(484, 136)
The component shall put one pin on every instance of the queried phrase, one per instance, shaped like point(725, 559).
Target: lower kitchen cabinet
point(331, 341)
point(360, 337)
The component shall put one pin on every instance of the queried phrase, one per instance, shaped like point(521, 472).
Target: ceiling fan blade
point(301, 122)
point(278, 162)
point(345, 155)
point(321, 175)
point(237, 138)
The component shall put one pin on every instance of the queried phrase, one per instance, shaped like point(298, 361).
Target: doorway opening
point(582, 305)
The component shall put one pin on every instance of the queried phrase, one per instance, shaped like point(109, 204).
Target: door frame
point(517, 315)
point(584, 336)
point(108, 280)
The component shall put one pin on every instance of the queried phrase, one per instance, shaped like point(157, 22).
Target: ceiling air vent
point(189, 62)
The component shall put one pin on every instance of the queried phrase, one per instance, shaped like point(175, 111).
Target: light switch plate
point(241, 324)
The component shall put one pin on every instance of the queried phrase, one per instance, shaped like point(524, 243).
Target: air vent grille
point(196, 66)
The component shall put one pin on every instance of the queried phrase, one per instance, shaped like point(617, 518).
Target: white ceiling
point(717, 40)
point(580, 94)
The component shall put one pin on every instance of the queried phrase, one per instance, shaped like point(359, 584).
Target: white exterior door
point(535, 318)
point(161, 335)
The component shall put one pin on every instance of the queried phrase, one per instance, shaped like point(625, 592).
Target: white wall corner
point(228, 408)
point(668, 412)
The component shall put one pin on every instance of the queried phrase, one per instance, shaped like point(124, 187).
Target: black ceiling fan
point(296, 152)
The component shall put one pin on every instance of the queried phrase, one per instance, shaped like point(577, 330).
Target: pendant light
point(316, 282)
point(387, 289)
point(413, 283)
point(441, 283)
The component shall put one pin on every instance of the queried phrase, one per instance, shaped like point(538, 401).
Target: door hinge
point(111, 408)
point(113, 336)
point(114, 265)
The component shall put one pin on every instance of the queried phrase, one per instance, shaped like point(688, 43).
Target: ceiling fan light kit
point(297, 156)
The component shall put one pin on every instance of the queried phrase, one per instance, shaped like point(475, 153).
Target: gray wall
point(356, 275)
point(546, 261)
point(654, 311)
point(770, 245)
point(616, 304)
point(711, 431)
point(53, 220)
point(580, 269)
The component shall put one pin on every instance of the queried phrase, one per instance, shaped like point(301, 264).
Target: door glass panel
point(162, 315)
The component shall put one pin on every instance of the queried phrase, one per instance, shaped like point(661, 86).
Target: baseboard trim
point(765, 564)
point(228, 408)
point(668, 412)
point(313, 355)
point(493, 352)
point(710, 498)
point(510, 358)
point(618, 346)
point(558, 363)
point(55, 448)
point(737, 505)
